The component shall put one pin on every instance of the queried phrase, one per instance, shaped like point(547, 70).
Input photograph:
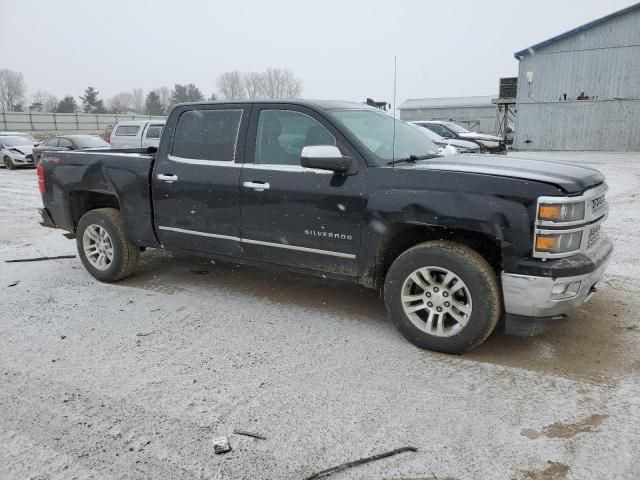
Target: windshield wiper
point(413, 158)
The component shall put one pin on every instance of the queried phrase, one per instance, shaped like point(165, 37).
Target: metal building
point(581, 90)
point(475, 113)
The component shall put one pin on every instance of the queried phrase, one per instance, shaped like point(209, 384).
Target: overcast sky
point(340, 49)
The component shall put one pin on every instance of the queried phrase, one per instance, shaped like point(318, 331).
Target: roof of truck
point(323, 104)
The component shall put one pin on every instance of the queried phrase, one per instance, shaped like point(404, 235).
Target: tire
point(469, 301)
point(101, 231)
point(8, 163)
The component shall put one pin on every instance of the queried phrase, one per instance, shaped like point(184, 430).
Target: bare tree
point(231, 86)
point(42, 101)
point(12, 90)
point(137, 100)
point(120, 103)
point(165, 96)
point(252, 85)
point(280, 83)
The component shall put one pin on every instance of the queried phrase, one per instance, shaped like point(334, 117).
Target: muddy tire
point(443, 296)
point(8, 163)
point(103, 246)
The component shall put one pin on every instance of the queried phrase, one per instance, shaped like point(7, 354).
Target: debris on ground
point(361, 461)
point(13, 284)
point(38, 259)
point(221, 445)
point(249, 434)
point(200, 272)
point(144, 334)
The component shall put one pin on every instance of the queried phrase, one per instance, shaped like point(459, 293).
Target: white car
point(16, 152)
point(137, 134)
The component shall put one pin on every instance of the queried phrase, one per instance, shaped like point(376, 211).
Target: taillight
point(41, 184)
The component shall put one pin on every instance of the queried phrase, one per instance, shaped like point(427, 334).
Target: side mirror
point(326, 157)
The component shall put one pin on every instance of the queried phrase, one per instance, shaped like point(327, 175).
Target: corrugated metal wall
point(62, 122)
point(603, 62)
point(480, 119)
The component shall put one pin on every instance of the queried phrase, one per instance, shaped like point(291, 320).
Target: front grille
point(597, 204)
point(594, 235)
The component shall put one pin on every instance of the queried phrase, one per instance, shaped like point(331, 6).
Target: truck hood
point(571, 178)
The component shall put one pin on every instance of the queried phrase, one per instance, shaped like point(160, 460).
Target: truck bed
point(75, 180)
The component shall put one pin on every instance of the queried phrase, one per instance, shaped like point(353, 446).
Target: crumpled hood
point(571, 178)
point(480, 136)
point(23, 149)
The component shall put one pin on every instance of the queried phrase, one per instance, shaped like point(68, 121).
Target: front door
point(196, 180)
point(297, 216)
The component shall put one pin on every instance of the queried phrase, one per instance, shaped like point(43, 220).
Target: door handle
point(167, 178)
point(257, 186)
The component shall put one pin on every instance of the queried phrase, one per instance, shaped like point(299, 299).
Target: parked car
point(69, 142)
point(106, 136)
point(450, 130)
point(138, 134)
point(333, 189)
point(26, 135)
point(15, 151)
point(462, 146)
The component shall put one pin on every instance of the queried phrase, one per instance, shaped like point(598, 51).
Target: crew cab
point(456, 244)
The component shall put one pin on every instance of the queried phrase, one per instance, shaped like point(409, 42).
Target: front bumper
point(22, 159)
point(529, 300)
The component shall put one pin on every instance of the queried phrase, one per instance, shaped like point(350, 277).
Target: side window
point(63, 142)
point(51, 143)
point(127, 130)
point(282, 134)
point(154, 131)
point(207, 135)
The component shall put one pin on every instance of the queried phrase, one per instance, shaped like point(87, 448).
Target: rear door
point(292, 215)
point(196, 179)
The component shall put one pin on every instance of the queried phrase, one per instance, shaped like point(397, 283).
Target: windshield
point(456, 128)
point(90, 142)
point(375, 130)
point(15, 141)
point(433, 136)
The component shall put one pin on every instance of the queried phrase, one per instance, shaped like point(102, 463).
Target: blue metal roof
point(581, 28)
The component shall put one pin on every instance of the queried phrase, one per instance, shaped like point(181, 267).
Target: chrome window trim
point(259, 242)
point(211, 163)
point(286, 168)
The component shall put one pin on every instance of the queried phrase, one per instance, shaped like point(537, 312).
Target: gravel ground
point(136, 379)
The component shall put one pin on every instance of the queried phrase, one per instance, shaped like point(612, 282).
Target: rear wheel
point(8, 163)
point(104, 249)
point(443, 296)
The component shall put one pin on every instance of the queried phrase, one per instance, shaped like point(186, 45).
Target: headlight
point(561, 212)
point(488, 143)
point(558, 243)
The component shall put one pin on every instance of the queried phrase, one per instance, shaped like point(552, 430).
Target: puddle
point(567, 430)
point(553, 471)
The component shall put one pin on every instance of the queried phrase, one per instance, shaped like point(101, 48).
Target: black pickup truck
point(457, 244)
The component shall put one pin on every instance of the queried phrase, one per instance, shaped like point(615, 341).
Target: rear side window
point(207, 135)
point(154, 131)
point(127, 130)
point(63, 142)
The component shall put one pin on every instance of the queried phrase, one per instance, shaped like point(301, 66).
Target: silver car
point(462, 146)
point(16, 152)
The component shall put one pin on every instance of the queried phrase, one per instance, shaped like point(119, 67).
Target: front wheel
point(8, 163)
point(104, 249)
point(443, 296)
